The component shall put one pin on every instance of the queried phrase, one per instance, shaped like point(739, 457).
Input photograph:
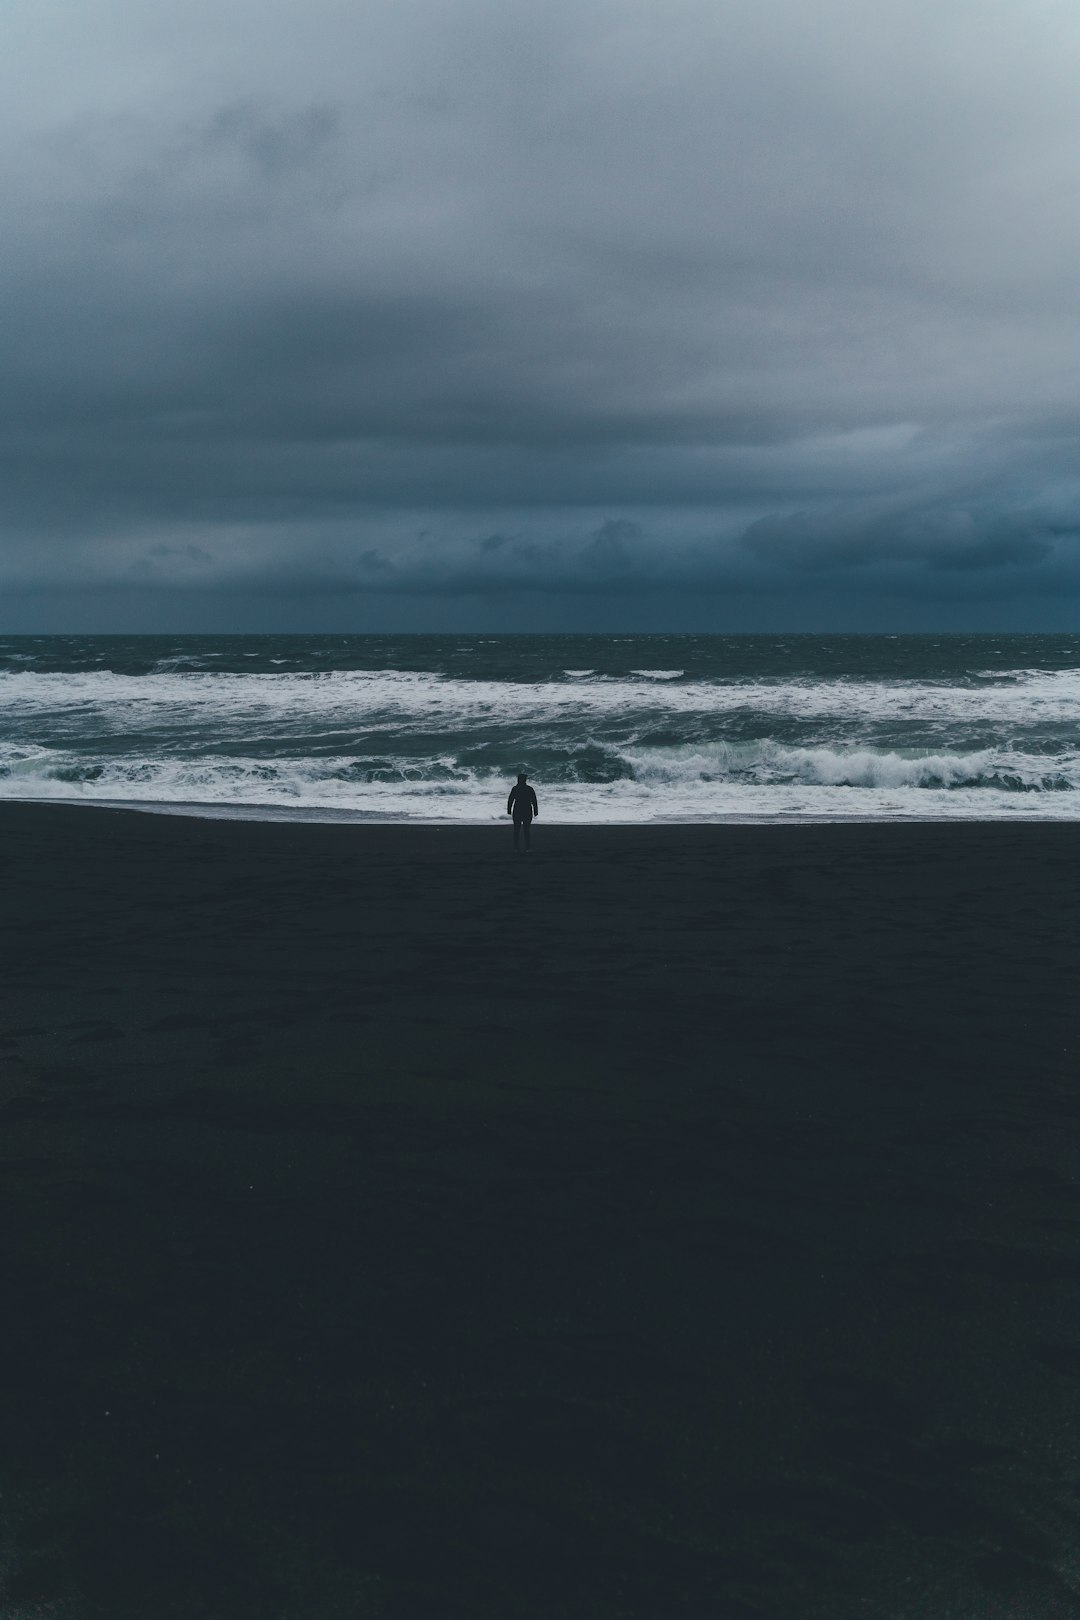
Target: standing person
point(522, 806)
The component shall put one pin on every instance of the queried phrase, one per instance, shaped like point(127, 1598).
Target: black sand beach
point(672, 1222)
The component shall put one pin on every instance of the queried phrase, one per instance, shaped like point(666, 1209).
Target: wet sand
point(671, 1222)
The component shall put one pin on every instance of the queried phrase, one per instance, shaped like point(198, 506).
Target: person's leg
point(517, 831)
point(527, 825)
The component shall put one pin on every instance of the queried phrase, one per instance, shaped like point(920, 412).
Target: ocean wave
point(767, 762)
point(295, 701)
point(647, 744)
point(596, 781)
point(178, 662)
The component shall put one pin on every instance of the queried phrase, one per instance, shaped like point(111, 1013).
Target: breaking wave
point(606, 736)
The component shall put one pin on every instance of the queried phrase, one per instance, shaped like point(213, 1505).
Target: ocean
point(609, 728)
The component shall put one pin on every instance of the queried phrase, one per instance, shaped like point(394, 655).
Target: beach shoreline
point(328, 816)
point(677, 1220)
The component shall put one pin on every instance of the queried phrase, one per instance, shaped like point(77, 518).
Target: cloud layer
point(578, 303)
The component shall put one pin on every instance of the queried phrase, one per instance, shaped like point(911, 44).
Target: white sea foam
point(651, 745)
point(767, 762)
point(412, 699)
point(679, 784)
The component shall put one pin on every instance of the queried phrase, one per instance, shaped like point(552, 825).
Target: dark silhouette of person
point(522, 806)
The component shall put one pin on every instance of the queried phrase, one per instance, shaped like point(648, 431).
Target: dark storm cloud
point(489, 301)
point(936, 537)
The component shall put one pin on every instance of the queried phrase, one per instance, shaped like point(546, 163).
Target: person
point(522, 806)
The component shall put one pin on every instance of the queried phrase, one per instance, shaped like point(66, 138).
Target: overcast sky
point(475, 313)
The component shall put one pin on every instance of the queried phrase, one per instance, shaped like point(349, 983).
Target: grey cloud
point(734, 300)
point(945, 537)
point(912, 555)
point(294, 140)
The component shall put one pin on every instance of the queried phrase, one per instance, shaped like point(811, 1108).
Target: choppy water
point(609, 728)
